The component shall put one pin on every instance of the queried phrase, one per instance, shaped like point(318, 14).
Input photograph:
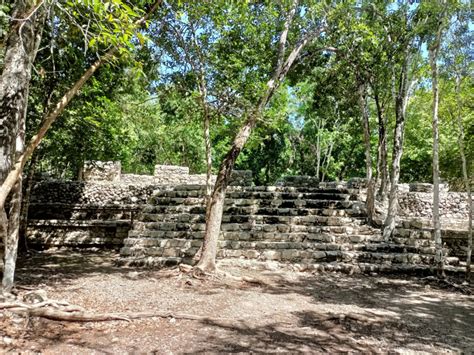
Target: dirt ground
point(288, 311)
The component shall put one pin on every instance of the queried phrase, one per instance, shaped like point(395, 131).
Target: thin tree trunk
point(382, 166)
point(433, 56)
point(207, 136)
point(401, 101)
point(370, 200)
point(207, 262)
point(467, 184)
point(207, 142)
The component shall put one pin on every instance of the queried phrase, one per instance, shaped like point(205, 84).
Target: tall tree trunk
point(401, 101)
point(370, 200)
point(22, 45)
point(467, 183)
point(382, 166)
point(207, 262)
point(433, 56)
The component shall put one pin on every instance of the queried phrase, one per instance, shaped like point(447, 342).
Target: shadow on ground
point(60, 268)
point(334, 313)
point(357, 313)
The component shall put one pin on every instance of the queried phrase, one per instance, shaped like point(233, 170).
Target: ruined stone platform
point(304, 225)
point(160, 219)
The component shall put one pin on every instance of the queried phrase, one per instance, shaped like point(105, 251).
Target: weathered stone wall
point(90, 192)
point(136, 179)
point(94, 170)
point(298, 181)
point(171, 174)
point(45, 234)
point(452, 205)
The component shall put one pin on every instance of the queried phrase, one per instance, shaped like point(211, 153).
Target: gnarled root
point(63, 311)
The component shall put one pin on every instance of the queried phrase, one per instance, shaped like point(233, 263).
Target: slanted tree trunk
point(207, 262)
point(467, 183)
point(22, 45)
point(401, 101)
point(382, 166)
point(10, 183)
point(370, 200)
point(439, 257)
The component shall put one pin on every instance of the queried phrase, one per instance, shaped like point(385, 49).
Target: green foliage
point(150, 113)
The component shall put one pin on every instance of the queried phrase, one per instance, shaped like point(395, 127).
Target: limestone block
point(289, 254)
point(318, 255)
point(271, 255)
point(170, 252)
point(95, 170)
point(251, 254)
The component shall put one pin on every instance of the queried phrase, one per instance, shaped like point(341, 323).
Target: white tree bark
point(467, 184)
point(24, 37)
point(401, 101)
point(433, 57)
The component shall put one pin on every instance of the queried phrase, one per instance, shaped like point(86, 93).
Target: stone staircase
point(316, 228)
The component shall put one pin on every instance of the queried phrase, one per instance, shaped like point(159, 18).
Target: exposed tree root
point(73, 315)
point(63, 311)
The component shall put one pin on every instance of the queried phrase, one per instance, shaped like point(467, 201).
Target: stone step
point(165, 234)
point(185, 249)
point(422, 248)
point(354, 268)
point(411, 233)
point(300, 242)
point(292, 196)
point(273, 189)
point(258, 196)
point(321, 236)
point(244, 245)
point(266, 230)
point(255, 211)
point(272, 222)
point(81, 212)
point(262, 206)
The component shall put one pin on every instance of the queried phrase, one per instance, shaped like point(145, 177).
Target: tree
point(458, 66)
point(22, 44)
point(14, 172)
point(284, 62)
point(188, 40)
point(403, 33)
point(433, 49)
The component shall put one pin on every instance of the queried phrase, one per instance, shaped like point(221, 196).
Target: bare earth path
point(289, 312)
